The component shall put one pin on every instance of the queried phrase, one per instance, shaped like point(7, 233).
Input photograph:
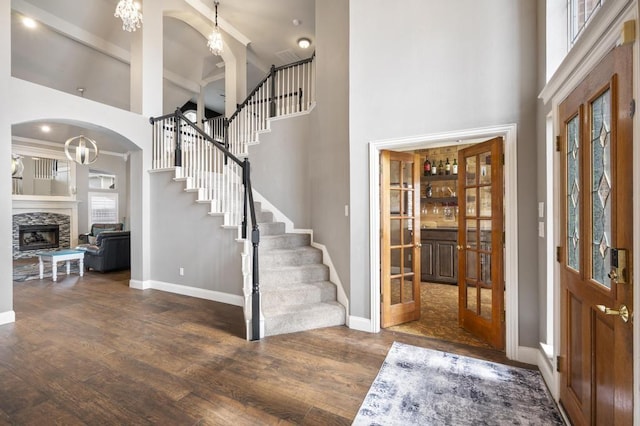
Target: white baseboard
point(547, 373)
point(527, 355)
point(139, 285)
point(7, 317)
point(200, 293)
point(360, 324)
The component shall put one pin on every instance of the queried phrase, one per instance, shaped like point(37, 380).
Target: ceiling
point(83, 50)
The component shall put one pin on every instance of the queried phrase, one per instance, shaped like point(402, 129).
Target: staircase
point(293, 292)
point(296, 292)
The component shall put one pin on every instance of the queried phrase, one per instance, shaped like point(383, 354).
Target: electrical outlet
point(541, 229)
point(181, 271)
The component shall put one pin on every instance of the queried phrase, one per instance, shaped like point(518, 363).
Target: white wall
point(432, 66)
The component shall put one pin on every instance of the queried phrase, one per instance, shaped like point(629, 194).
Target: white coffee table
point(58, 256)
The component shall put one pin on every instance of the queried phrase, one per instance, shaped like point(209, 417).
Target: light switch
point(541, 229)
point(541, 209)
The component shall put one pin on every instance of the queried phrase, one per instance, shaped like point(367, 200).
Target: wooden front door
point(400, 237)
point(596, 364)
point(480, 241)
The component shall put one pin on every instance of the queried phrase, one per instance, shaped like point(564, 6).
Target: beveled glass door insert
point(480, 248)
point(400, 237)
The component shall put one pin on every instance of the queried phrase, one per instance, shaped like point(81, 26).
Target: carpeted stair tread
point(290, 257)
point(271, 228)
point(284, 241)
point(290, 319)
point(270, 277)
point(298, 293)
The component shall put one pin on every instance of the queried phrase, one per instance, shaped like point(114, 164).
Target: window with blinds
point(103, 207)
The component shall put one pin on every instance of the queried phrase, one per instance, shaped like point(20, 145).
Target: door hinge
point(559, 254)
point(381, 297)
point(503, 159)
point(504, 316)
point(504, 238)
point(559, 364)
point(558, 144)
point(632, 108)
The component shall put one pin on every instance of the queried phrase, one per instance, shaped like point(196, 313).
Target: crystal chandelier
point(83, 152)
point(130, 14)
point(215, 39)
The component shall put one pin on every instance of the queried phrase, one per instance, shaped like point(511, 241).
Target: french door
point(480, 241)
point(596, 364)
point(400, 237)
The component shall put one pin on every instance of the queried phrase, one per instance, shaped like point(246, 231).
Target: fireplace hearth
point(38, 237)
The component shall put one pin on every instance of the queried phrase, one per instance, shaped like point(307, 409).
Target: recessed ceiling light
point(45, 128)
point(28, 22)
point(296, 22)
point(304, 43)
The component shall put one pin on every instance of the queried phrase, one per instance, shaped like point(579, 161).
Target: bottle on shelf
point(447, 167)
point(427, 167)
point(434, 168)
point(454, 168)
point(440, 168)
point(429, 191)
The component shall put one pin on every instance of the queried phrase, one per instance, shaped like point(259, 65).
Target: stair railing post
point(245, 177)
point(272, 103)
point(225, 129)
point(255, 292)
point(178, 151)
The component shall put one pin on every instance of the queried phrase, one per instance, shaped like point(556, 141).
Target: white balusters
point(291, 89)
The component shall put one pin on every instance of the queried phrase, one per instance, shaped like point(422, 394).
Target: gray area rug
point(417, 386)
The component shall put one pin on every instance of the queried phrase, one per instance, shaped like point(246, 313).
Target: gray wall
point(432, 66)
point(107, 163)
point(329, 146)
point(280, 168)
point(184, 235)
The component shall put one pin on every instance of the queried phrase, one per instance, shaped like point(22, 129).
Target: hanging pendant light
point(83, 151)
point(215, 39)
point(130, 14)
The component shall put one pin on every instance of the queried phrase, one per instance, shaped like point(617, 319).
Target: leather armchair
point(96, 228)
point(112, 252)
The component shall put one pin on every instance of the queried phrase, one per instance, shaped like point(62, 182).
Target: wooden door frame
point(509, 133)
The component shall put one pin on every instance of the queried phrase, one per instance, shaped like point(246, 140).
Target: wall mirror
point(40, 175)
point(101, 180)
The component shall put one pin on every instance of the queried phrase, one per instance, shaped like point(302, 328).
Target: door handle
point(418, 245)
point(622, 312)
point(459, 247)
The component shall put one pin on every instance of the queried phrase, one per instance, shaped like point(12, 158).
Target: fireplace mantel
point(43, 201)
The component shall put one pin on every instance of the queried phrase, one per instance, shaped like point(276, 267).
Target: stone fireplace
point(37, 231)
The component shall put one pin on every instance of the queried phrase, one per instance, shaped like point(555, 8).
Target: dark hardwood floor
point(93, 351)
